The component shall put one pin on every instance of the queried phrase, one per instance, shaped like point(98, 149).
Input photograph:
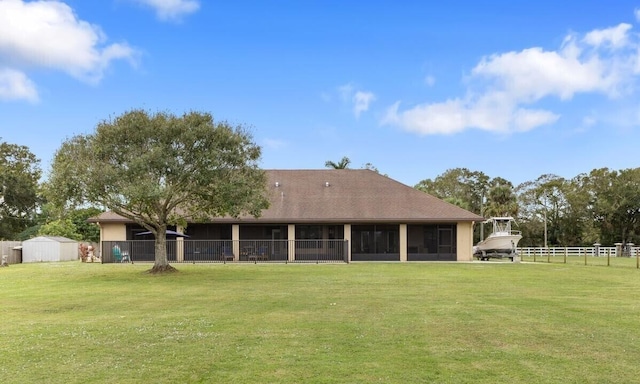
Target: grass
point(611, 261)
point(358, 323)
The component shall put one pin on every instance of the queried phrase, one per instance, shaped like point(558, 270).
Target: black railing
point(228, 251)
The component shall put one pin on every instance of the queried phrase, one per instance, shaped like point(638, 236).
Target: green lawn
point(359, 323)
point(629, 262)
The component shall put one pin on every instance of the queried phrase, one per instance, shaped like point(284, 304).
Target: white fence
point(579, 251)
point(570, 251)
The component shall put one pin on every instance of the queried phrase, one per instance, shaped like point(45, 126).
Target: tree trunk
point(161, 264)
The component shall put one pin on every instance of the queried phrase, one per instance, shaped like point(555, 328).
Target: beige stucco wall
point(347, 237)
point(180, 245)
point(465, 241)
point(235, 237)
point(291, 235)
point(403, 242)
point(113, 232)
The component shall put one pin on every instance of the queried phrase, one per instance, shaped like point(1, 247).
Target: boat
point(502, 242)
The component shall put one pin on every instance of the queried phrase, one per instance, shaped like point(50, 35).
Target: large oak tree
point(160, 169)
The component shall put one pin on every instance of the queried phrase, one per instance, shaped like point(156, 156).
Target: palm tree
point(501, 202)
point(343, 164)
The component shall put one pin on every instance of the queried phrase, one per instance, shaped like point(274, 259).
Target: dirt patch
point(158, 269)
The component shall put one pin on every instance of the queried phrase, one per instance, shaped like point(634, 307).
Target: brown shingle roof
point(344, 196)
point(352, 195)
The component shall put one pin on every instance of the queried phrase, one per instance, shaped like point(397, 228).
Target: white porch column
point(235, 239)
point(347, 237)
point(291, 237)
point(403, 242)
point(180, 245)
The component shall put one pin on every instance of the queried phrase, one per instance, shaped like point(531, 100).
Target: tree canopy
point(19, 177)
point(160, 169)
point(602, 206)
point(466, 188)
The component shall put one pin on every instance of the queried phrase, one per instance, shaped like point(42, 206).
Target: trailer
point(487, 255)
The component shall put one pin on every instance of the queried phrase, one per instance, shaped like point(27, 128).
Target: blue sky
point(513, 89)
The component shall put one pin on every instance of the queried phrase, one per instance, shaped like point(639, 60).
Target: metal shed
point(49, 248)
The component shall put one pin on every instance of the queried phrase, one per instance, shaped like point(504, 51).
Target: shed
point(49, 248)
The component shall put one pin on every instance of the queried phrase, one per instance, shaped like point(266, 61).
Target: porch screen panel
point(309, 232)
point(445, 241)
point(431, 242)
point(375, 242)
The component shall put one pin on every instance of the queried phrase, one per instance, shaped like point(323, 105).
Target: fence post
point(637, 260)
point(548, 255)
point(565, 255)
point(585, 256)
point(608, 258)
point(534, 255)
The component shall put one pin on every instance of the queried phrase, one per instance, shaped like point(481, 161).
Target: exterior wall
point(113, 232)
point(465, 241)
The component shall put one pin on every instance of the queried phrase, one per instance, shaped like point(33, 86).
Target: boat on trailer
point(502, 242)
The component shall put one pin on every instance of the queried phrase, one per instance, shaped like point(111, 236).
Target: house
point(315, 215)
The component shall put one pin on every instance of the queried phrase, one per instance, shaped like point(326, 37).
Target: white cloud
point(171, 9)
point(532, 74)
point(505, 87)
point(456, 115)
point(615, 37)
point(48, 34)
point(15, 85)
point(360, 100)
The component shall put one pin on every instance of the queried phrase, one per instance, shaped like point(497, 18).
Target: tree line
point(602, 206)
